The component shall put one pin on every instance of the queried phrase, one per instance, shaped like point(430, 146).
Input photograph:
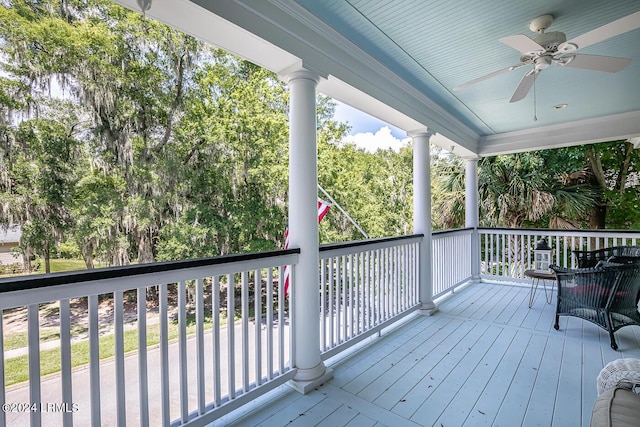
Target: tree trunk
point(624, 170)
point(27, 259)
point(145, 246)
point(87, 254)
point(598, 216)
point(47, 257)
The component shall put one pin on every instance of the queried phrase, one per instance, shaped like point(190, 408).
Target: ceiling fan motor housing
point(549, 41)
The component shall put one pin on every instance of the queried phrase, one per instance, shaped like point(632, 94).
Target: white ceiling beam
point(588, 131)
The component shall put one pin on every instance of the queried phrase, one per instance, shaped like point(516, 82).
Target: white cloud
point(371, 142)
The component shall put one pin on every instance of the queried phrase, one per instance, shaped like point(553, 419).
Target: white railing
point(451, 264)
point(192, 374)
point(507, 253)
point(189, 364)
point(365, 286)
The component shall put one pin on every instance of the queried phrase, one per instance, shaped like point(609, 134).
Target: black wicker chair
point(588, 259)
point(606, 295)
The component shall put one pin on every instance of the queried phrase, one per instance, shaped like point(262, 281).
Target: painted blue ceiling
point(436, 45)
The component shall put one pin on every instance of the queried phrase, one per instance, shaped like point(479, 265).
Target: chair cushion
point(594, 290)
point(616, 407)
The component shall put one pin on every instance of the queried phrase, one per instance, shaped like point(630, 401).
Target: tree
point(615, 169)
point(374, 188)
point(40, 155)
point(447, 190)
point(180, 150)
point(230, 162)
point(516, 190)
point(130, 73)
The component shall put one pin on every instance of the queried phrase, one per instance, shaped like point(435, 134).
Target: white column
point(471, 213)
point(303, 229)
point(422, 217)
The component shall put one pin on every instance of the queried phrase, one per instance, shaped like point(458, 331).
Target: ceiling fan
point(553, 47)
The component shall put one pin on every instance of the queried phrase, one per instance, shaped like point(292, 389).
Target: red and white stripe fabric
point(323, 208)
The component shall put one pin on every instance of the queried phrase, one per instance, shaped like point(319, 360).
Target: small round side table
point(536, 277)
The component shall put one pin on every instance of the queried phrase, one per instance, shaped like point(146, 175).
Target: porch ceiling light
point(560, 106)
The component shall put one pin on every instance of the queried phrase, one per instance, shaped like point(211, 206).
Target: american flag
point(323, 208)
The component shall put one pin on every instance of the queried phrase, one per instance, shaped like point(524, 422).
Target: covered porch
point(483, 358)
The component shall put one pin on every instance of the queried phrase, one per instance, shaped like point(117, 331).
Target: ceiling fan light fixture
point(542, 62)
point(560, 106)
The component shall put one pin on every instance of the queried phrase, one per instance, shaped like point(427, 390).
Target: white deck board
point(488, 405)
point(485, 359)
point(568, 404)
point(471, 391)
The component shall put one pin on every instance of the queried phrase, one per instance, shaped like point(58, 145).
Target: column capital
point(471, 158)
point(424, 133)
point(297, 72)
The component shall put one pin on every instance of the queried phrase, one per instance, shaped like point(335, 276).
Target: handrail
point(356, 243)
point(364, 286)
point(239, 305)
point(64, 278)
point(452, 231)
point(331, 250)
point(507, 252)
point(559, 230)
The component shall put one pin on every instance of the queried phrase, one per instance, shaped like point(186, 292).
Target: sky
point(367, 132)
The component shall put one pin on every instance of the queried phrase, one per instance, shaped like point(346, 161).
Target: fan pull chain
point(535, 104)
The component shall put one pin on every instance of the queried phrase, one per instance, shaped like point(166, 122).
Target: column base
point(428, 309)
point(304, 386)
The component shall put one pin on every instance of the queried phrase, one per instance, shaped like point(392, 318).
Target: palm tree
point(514, 191)
point(519, 190)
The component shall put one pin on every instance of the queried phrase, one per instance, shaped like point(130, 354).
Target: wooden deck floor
point(484, 359)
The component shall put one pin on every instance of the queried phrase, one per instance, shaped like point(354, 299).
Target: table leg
point(532, 294)
point(548, 296)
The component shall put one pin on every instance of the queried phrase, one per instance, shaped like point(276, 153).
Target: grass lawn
point(62, 264)
point(17, 368)
point(68, 264)
point(58, 265)
point(21, 339)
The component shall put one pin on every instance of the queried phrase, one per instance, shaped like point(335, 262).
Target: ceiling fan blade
point(612, 29)
point(609, 64)
point(525, 84)
point(488, 76)
point(522, 43)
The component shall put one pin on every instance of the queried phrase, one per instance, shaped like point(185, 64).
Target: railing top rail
point(356, 243)
point(65, 278)
point(336, 249)
point(452, 231)
point(561, 232)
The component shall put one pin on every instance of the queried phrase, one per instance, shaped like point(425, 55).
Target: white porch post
point(303, 229)
point(471, 213)
point(422, 217)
